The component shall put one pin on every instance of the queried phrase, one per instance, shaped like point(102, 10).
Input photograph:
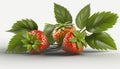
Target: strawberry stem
point(82, 30)
point(62, 26)
point(31, 43)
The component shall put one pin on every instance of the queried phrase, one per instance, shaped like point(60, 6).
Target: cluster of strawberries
point(62, 37)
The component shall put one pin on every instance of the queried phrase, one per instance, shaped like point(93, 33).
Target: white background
point(42, 12)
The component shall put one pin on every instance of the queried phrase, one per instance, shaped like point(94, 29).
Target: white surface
point(42, 11)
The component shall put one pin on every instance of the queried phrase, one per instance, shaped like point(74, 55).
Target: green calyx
point(61, 26)
point(79, 38)
point(31, 43)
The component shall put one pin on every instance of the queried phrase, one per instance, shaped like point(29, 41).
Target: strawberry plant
point(91, 32)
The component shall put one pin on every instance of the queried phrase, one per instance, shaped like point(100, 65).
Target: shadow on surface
point(58, 52)
point(45, 53)
point(93, 51)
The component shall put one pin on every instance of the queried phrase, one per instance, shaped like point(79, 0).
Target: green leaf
point(62, 15)
point(24, 24)
point(79, 38)
point(28, 36)
point(25, 41)
point(73, 40)
point(48, 30)
point(35, 47)
point(34, 37)
point(79, 35)
point(59, 26)
point(76, 33)
point(79, 44)
point(102, 41)
point(82, 17)
point(29, 47)
point(82, 35)
point(37, 42)
point(84, 42)
point(16, 45)
point(99, 22)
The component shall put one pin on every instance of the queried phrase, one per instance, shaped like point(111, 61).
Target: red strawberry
point(61, 31)
point(73, 42)
point(36, 41)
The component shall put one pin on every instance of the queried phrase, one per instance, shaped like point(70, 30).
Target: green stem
point(82, 30)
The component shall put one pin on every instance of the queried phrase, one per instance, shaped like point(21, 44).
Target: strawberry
point(74, 42)
point(60, 32)
point(36, 41)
